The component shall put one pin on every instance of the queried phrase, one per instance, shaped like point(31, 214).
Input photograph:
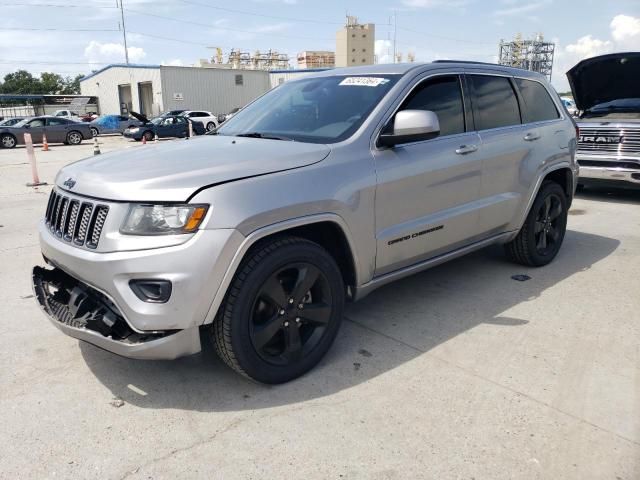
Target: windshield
point(314, 110)
point(21, 123)
point(627, 104)
point(157, 120)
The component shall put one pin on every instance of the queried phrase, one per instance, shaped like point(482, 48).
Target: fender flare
point(266, 231)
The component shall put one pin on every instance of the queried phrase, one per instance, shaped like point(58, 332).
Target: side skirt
point(365, 289)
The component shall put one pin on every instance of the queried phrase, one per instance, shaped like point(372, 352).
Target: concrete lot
point(458, 372)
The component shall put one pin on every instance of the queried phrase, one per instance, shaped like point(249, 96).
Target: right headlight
point(163, 219)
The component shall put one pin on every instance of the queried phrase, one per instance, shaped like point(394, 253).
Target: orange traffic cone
point(144, 139)
point(45, 144)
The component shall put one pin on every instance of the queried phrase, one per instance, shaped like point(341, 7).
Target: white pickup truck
point(67, 114)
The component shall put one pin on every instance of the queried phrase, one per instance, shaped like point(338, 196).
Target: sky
point(78, 36)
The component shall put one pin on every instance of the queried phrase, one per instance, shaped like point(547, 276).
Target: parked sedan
point(58, 130)
point(112, 124)
point(164, 127)
point(9, 122)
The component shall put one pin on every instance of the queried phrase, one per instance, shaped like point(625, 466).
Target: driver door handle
point(464, 149)
point(531, 136)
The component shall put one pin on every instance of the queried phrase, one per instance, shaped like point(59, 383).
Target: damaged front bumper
point(86, 314)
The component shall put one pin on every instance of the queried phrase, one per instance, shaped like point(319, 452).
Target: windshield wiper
point(267, 136)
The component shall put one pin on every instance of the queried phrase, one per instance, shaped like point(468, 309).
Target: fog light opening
point(151, 290)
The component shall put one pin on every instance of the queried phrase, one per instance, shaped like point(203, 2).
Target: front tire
point(543, 231)
point(94, 132)
point(211, 126)
point(74, 138)
point(282, 311)
point(148, 135)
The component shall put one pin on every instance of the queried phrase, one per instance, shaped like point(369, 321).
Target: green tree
point(71, 86)
point(21, 82)
point(51, 83)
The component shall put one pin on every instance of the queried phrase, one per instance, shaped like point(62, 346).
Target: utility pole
point(395, 32)
point(124, 33)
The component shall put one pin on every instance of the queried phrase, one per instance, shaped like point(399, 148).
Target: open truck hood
point(173, 171)
point(605, 78)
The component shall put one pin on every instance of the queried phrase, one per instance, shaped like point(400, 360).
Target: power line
point(244, 12)
point(28, 29)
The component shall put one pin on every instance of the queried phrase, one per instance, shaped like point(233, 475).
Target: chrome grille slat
point(71, 224)
point(85, 217)
point(74, 220)
point(630, 140)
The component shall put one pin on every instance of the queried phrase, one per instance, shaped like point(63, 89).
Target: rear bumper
point(83, 313)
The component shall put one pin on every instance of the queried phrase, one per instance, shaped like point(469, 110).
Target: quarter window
point(538, 105)
point(443, 96)
point(494, 102)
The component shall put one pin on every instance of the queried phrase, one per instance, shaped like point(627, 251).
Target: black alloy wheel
point(282, 310)
point(542, 233)
point(290, 313)
point(547, 231)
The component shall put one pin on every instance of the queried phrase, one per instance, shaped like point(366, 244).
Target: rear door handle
point(464, 149)
point(531, 136)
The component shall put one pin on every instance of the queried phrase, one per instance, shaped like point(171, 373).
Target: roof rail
point(467, 61)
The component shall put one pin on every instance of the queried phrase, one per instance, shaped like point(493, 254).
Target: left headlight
point(134, 129)
point(163, 219)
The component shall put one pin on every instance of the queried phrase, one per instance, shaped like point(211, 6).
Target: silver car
point(313, 195)
point(56, 129)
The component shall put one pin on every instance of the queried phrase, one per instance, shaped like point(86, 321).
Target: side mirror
point(411, 126)
point(27, 125)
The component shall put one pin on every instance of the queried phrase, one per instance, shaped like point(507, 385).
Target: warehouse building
point(151, 89)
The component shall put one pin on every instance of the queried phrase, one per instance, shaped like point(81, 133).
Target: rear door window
point(538, 105)
point(56, 121)
point(443, 96)
point(494, 102)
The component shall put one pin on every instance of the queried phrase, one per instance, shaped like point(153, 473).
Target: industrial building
point(355, 44)
point(316, 59)
point(535, 55)
point(151, 89)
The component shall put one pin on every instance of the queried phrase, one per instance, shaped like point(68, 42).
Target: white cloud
point(384, 51)
point(97, 52)
point(625, 36)
point(625, 30)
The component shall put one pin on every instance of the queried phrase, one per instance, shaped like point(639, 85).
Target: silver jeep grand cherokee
point(320, 191)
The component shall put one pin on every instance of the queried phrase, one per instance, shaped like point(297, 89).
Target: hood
point(605, 78)
point(139, 116)
point(173, 171)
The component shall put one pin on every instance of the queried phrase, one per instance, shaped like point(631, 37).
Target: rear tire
point(210, 126)
point(8, 141)
point(541, 236)
point(282, 310)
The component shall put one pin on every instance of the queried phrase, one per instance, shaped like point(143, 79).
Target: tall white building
point(355, 44)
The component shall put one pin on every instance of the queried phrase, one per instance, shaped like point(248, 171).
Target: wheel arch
point(561, 174)
point(328, 230)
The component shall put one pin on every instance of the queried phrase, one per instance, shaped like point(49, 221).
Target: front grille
point(620, 141)
point(75, 221)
